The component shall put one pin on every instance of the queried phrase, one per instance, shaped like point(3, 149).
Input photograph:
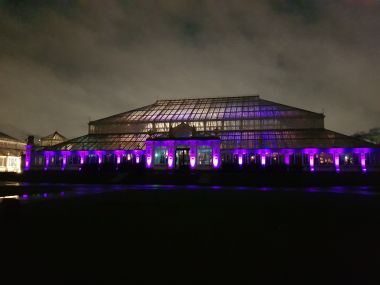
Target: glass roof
point(222, 108)
point(289, 139)
point(103, 142)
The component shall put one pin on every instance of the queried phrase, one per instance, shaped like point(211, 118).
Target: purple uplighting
point(336, 162)
point(240, 159)
point(170, 161)
point(363, 162)
point(314, 155)
point(287, 159)
point(215, 161)
point(263, 160)
point(311, 161)
point(28, 153)
point(148, 161)
point(192, 161)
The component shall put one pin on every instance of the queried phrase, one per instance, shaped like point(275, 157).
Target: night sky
point(63, 63)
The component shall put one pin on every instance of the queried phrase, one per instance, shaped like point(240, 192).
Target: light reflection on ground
point(47, 191)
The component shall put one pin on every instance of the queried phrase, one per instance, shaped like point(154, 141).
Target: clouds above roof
point(65, 63)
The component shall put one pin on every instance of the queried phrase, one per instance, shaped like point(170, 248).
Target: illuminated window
point(161, 156)
point(204, 154)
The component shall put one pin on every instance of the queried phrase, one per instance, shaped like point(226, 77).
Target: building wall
point(10, 164)
point(10, 155)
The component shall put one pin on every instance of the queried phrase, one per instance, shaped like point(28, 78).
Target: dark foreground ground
point(268, 177)
point(190, 235)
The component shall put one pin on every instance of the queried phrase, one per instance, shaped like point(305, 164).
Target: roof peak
point(212, 98)
point(4, 136)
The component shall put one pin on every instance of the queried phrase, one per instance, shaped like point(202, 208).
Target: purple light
point(47, 158)
point(148, 153)
point(311, 161)
point(28, 153)
point(118, 159)
point(362, 162)
point(25, 196)
point(170, 161)
point(240, 159)
point(215, 153)
point(215, 161)
point(100, 156)
point(287, 159)
point(263, 160)
point(192, 161)
point(193, 155)
point(148, 161)
point(336, 161)
point(45, 195)
point(82, 155)
point(137, 159)
point(64, 160)
point(170, 147)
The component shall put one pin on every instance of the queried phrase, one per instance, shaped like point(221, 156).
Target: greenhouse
point(210, 133)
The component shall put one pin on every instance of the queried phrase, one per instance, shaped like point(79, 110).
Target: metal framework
point(224, 114)
point(244, 125)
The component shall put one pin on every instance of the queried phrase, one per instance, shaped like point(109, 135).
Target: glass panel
point(161, 156)
point(204, 155)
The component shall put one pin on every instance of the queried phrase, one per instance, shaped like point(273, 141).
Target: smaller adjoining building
point(183, 147)
point(11, 153)
point(52, 139)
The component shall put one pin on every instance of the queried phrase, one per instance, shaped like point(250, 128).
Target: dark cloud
point(63, 62)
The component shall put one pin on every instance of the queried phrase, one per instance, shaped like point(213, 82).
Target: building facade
point(210, 133)
point(11, 152)
point(52, 139)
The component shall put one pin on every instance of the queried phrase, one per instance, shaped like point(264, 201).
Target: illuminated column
point(193, 155)
point(148, 154)
point(100, 156)
point(287, 158)
point(216, 154)
point(240, 159)
point(336, 162)
point(28, 154)
point(362, 162)
point(47, 160)
point(311, 161)
point(170, 146)
point(82, 156)
point(65, 155)
point(263, 159)
point(118, 155)
point(137, 158)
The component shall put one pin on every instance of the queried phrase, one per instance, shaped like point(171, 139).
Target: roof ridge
point(8, 137)
point(216, 97)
